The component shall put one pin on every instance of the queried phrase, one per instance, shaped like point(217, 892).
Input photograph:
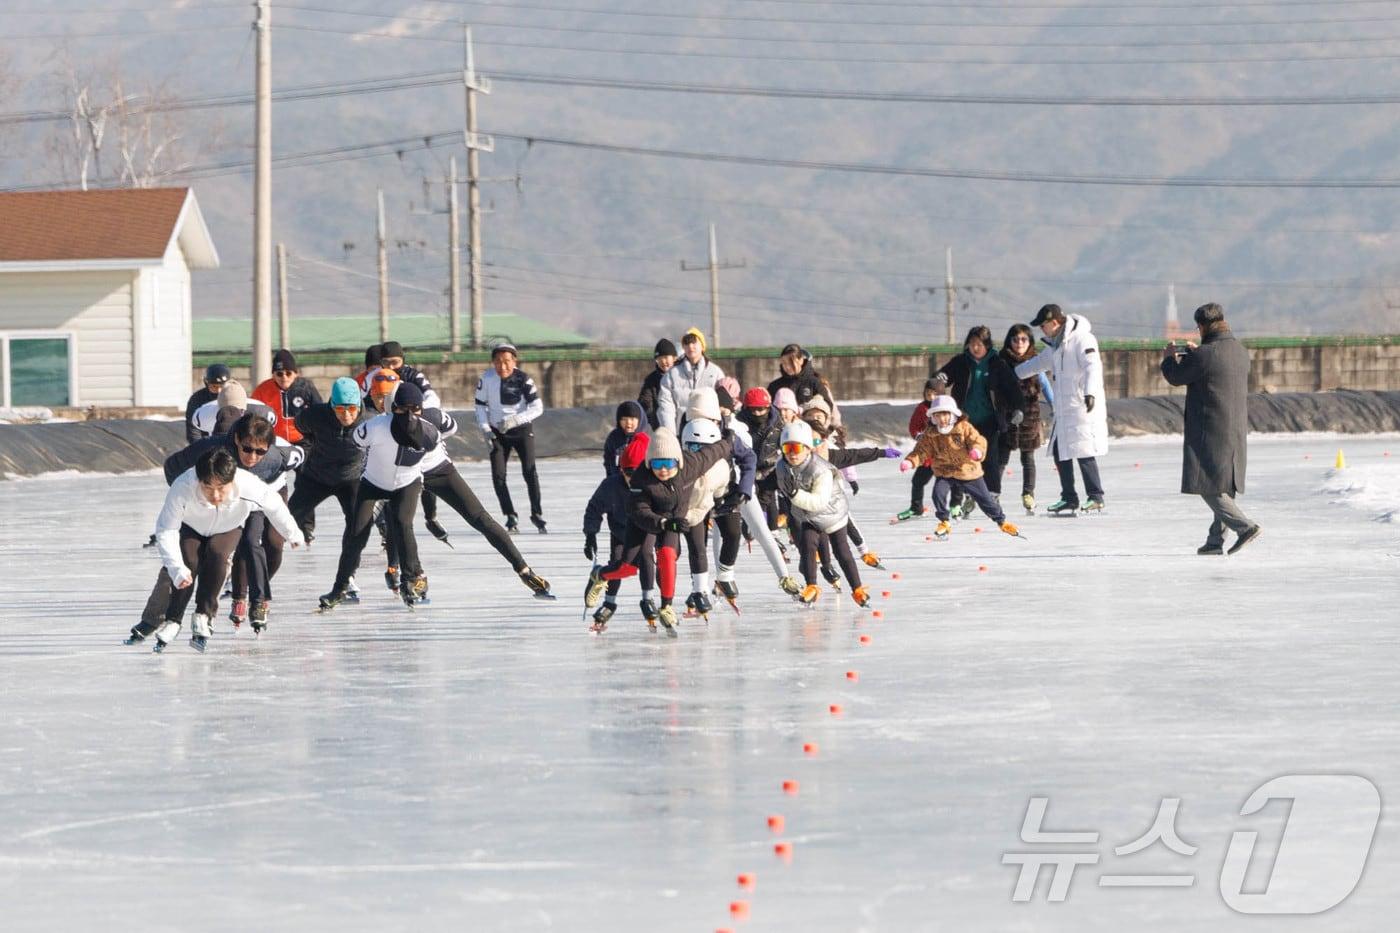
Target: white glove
point(510, 422)
point(183, 579)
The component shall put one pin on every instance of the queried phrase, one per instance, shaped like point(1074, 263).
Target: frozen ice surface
point(487, 765)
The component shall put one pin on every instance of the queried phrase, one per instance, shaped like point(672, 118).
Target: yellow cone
point(1341, 460)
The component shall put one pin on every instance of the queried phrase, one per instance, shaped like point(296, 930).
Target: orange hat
point(384, 383)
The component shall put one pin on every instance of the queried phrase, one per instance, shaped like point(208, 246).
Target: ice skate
point(391, 579)
point(332, 599)
point(862, 596)
point(352, 592)
point(1211, 550)
point(830, 575)
point(238, 613)
point(168, 632)
point(908, 514)
point(1063, 507)
point(790, 586)
point(941, 532)
point(667, 617)
point(1011, 530)
point(259, 616)
point(697, 605)
point(594, 589)
point(601, 617)
point(1093, 505)
point(539, 523)
point(133, 638)
point(648, 612)
point(1028, 501)
point(730, 591)
point(437, 531)
point(810, 594)
point(539, 585)
point(415, 592)
point(871, 559)
point(200, 632)
point(512, 524)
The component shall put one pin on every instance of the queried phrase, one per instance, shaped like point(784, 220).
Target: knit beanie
point(785, 400)
point(704, 403)
point(345, 391)
point(695, 332)
point(665, 446)
point(233, 395)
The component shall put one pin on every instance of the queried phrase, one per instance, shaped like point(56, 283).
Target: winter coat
point(813, 489)
point(618, 438)
point(207, 415)
point(1216, 376)
point(608, 501)
point(298, 397)
point(202, 396)
point(1076, 371)
point(389, 464)
point(505, 404)
point(332, 456)
point(654, 500)
point(947, 453)
point(677, 386)
point(271, 469)
point(649, 396)
point(1002, 385)
point(846, 457)
point(185, 505)
point(806, 385)
point(1026, 435)
point(743, 468)
point(766, 434)
point(919, 419)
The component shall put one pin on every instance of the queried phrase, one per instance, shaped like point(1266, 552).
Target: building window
point(37, 371)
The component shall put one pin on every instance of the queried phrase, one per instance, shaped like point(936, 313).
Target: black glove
point(1088, 403)
point(679, 525)
point(855, 488)
point(590, 546)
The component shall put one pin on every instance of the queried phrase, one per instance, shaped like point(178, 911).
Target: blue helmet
point(345, 391)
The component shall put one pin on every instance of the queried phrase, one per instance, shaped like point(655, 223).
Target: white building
point(95, 296)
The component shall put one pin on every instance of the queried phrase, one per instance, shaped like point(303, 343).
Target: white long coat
point(1076, 370)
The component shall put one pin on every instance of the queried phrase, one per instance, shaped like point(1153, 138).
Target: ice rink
point(486, 764)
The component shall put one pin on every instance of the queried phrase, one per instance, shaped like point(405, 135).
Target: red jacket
point(919, 419)
point(300, 396)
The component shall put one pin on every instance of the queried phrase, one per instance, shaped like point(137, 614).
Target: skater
point(844, 459)
point(798, 375)
point(664, 356)
point(334, 461)
point(610, 500)
point(956, 451)
point(987, 391)
point(819, 508)
point(287, 393)
point(1216, 376)
point(216, 376)
point(391, 356)
point(395, 443)
point(232, 396)
point(923, 475)
point(1080, 429)
point(764, 430)
point(661, 491)
point(198, 528)
point(693, 371)
point(506, 404)
point(785, 403)
point(259, 556)
point(1025, 437)
point(628, 421)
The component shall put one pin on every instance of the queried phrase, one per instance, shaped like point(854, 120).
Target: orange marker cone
point(776, 823)
point(887, 594)
point(835, 709)
point(852, 676)
point(876, 614)
point(865, 639)
point(977, 531)
point(746, 881)
point(739, 910)
point(783, 848)
point(894, 576)
point(809, 748)
point(981, 568)
point(790, 788)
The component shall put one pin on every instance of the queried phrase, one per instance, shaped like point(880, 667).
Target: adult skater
point(391, 356)
point(628, 420)
point(1080, 429)
point(231, 396)
point(372, 354)
point(507, 403)
point(1026, 436)
point(610, 501)
point(395, 443)
point(664, 356)
point(1216, 376)
point(987, 391)
point(334, 461)
point(693, 371)
point(197, 530)
point(956, 451)
point(259, 555)
point(287, 393)
point(216, 376)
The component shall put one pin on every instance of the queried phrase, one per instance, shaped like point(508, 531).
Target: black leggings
point(922, 477)
point(446, 483)
point(402, 505)
point(522, 441)
point(258, 559)
point(1027, 468)
point(645, 560)
point(312, 492)
point(206, 558)
point(840, 546)
point(993, 456)
point(731, 532)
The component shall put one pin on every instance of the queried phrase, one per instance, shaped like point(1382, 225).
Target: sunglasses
point(794, 447)
point(260, 451)
point(665, 463)
point(346, 409)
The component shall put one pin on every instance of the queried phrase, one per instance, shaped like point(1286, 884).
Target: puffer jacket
point(814, 490)
point(332, 457)
point(677, 386)
point(654, 500)
point(706, 491)
point(1076, 372)
point(947, 453)
point(1026, 435)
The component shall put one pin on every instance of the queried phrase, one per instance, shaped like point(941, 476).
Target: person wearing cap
point(287, 394)
point(507, 403)
point(764, 428)
point(395, 443)
point(955, 451)
point(610, 500)
point(1216, 435)
point(664, 356)
point(785, 403)
point(216, 376)
point(391, 356)
point(233, 401)
point(1080, 428)
point(372, 356)
point(693, 371)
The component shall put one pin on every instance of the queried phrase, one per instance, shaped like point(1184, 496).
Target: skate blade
point(597, 628)
point(733, 605)
point(352, 597)
point(159, 648)
point(198, 645)
point(550, 597)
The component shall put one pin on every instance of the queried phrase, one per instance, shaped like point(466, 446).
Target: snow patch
point(1373, 488)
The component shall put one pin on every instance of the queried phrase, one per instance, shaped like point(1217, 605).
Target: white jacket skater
point(682, 379)
point(1076, 371)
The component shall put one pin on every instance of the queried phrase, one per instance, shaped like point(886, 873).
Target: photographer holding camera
point(1216, 376)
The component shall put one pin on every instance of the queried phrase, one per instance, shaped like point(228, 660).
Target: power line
point(110, 34)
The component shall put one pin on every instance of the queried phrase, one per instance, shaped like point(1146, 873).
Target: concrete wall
point(896, 376)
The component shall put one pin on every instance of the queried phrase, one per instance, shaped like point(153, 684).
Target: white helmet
point(944, 403)
point(700, 432)
point(798, 432)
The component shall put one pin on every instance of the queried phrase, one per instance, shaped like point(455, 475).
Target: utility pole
point(950, 293)
point(380, 235)
point(476, 142)
point(713, 267)
point(454, 272)
point(262, 200)
point(284, 314)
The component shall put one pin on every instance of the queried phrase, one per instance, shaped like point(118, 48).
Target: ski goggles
point(664, 463)
point(346, 409)
point(793, 448)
